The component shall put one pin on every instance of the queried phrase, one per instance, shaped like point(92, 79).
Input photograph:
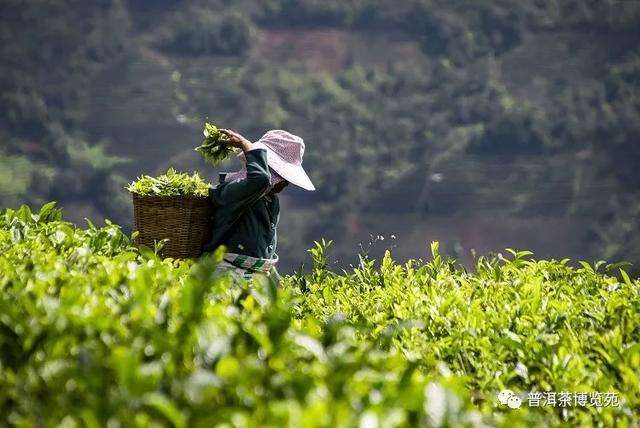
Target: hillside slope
point(432, 110)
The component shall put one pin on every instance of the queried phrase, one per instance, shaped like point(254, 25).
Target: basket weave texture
point(185, 221)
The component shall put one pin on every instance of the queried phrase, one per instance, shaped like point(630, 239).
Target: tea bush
point(514, 323)
point(95, 332)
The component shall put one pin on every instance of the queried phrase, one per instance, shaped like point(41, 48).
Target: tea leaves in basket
point(170, 184)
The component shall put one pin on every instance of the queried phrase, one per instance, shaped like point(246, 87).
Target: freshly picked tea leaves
point(213, 148)
point(170, 184)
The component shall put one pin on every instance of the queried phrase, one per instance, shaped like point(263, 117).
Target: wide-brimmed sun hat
point(284, 156)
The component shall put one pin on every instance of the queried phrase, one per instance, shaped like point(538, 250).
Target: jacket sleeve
point(240, 194)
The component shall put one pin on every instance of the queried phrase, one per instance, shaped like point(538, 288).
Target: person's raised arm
point(237, 140)
point(247, 191)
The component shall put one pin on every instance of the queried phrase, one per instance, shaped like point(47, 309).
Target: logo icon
point(508, 398)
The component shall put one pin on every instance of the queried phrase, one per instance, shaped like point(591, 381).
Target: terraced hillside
point(474, 116)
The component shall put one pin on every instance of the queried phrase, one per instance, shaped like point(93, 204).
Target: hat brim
point(294, 174)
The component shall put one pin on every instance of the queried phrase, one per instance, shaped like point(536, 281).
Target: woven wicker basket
point(184, 220)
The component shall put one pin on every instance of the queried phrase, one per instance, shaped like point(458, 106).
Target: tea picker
point(246, 203)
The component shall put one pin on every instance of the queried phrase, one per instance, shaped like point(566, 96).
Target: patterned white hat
point(284, 156)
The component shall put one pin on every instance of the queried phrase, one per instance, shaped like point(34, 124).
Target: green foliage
point(94, 332)
point(511, 134)
point(170, 184)
point(198, 31)
point(214, 148)
point(48, 64)
point(22, 179)
point(515, 323)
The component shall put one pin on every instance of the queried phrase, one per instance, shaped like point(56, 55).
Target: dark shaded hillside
point(420, 111)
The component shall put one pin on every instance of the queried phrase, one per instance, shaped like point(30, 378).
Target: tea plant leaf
point(625, 277)
point(166, 408)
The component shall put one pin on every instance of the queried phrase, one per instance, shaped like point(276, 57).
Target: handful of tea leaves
point(213, 148)
point(170, 184)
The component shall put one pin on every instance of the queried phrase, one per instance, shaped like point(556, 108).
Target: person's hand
point(237, 140)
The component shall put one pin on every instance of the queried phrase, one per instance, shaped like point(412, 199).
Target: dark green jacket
point(257, 214)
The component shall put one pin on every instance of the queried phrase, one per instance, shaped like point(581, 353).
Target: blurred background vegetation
point(482, 124)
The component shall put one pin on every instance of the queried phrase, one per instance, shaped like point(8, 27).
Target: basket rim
point(168, 198)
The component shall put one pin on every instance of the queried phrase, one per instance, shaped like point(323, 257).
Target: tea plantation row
point(94, 332)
